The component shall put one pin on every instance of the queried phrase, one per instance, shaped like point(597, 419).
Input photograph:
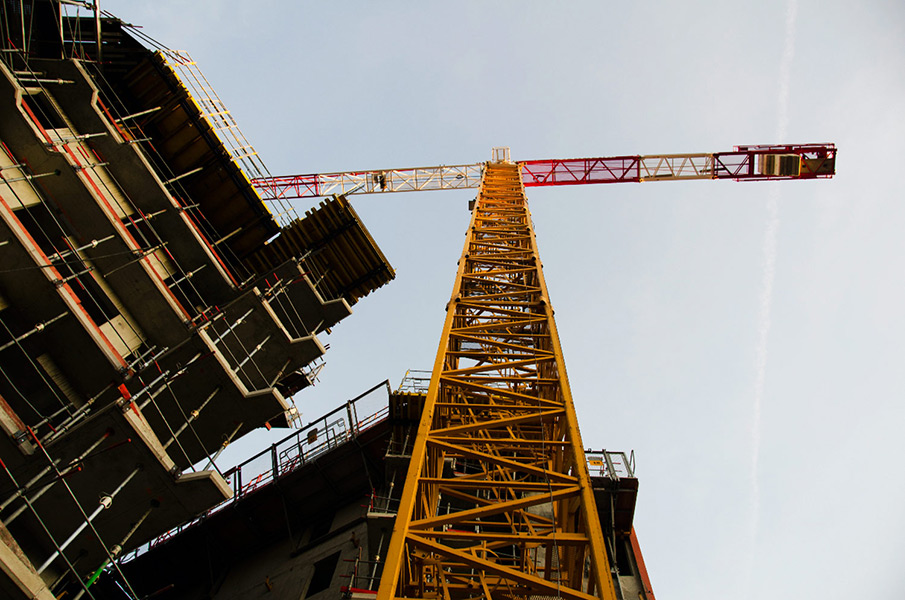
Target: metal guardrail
point(606, 463)
point(415, 382)
point(292, 452)
point(224, 126)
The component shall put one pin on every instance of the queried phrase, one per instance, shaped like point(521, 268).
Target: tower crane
point(498, 501)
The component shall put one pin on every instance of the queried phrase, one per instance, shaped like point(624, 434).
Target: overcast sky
point(745, 339)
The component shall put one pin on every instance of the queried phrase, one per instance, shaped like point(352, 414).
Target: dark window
point(142, 231)
point(43, 110)
point(44, 226)
point(323, 574)
point(623, 561)
point(49, 233)
point(186, 293)
point(93, 298)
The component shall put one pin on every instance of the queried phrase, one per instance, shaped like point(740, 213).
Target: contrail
point(768, 277)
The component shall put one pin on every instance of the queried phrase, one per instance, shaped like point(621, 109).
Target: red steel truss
point(744, 163)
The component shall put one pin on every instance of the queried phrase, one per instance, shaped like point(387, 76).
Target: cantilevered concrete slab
point(136, 339)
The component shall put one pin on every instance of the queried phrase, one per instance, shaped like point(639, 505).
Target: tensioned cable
point(194, 431)
point(82, 260)
point(65, 403)
point(88, 268)
point(173, 436)
point(148, 222)
point(226, 347)
point(31, 25)
point(250, 357)
point(47, 530)
point(163, 168)
point(150, 226)
point(48, 204)
point(21, 395)
point(283, 291)
point(87, 520)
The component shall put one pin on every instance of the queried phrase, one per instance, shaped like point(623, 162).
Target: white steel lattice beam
point(676, 166)
point(416, 179)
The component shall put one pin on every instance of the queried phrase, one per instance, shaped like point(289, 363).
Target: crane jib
point(744, 163)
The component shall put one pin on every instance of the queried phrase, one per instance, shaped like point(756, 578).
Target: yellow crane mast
point(497, 501)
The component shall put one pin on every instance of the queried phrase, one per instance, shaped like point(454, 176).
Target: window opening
point(323, 574)
point(185, 292)
point(41, 225)
point(623, 561)
point(50, 235)
point(44, 110)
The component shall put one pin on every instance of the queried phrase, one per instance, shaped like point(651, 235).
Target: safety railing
point(293, 452)
point(382, 504)
point(361, 575)
point(362, 578)
point(606, 463)
point(401, 444)
point(212, 108)
point(501, 154)
point(415, 382)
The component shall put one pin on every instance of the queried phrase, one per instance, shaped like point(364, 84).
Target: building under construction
point(153, 307)
point(160, 298)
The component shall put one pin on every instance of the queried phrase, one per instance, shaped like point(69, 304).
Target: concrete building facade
point(153, 307)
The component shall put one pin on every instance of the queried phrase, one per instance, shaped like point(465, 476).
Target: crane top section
point(750, 163)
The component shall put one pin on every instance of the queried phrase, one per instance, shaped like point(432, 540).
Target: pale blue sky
point(658, 287)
